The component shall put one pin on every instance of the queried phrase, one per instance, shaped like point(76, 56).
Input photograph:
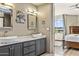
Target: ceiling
point(64, 8)
point(38, 4)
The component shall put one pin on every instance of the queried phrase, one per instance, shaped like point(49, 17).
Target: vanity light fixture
point(31, 11)
point(7, 5)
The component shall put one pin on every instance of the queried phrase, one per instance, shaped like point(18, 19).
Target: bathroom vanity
point(23, 46)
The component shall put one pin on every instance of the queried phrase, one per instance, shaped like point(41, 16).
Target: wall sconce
point(31, 11)
point(7, 5)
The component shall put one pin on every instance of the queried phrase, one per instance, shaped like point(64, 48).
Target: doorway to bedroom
point(66, 29)
point(59, 30)
point(59, 34)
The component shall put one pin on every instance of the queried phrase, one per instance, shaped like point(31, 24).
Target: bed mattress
point(72, 37)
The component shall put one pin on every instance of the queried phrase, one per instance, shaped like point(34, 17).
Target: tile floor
point(59, 51)
point(47, 54)
point(72, 52)
point(59, 48)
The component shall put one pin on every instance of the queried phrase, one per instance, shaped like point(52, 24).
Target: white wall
point(70, 20)
point(64, 8)
point(46, 15)
point(78, 20)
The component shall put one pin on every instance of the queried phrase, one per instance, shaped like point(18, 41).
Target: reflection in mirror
point(5, 17)
point(31, 22)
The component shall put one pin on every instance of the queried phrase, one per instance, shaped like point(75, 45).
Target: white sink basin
point(8, 41)
point(24, 36)
point(37, 35)
point(10, 37)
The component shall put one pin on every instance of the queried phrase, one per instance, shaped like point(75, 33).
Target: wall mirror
point(31, 22)
point(5, 17)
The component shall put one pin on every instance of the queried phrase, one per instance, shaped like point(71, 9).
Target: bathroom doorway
point(59, 34)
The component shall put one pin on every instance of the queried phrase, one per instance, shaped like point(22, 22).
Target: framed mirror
point(5, 17)
point(31, 22)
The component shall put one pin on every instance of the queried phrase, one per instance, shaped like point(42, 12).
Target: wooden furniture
point(72, 44)
point(73, 30)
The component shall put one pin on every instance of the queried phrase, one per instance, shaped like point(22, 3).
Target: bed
point(72, 39)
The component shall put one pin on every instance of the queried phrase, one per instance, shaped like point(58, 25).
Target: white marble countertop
point(20, 39)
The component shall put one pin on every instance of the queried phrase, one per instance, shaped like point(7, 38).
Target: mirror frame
point(11, 15)
point(28, 22)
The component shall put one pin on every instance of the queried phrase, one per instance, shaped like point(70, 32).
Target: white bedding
point(72, 37)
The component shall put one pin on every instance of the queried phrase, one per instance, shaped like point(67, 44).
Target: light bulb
point(30, 10)
point(35, 12)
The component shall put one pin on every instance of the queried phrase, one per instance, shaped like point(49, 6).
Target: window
point(59, 23)
point(59, 26)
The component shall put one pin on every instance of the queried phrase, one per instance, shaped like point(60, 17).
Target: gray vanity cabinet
point(16, 50)
point(28, 48)
point(40, 46)
point(12, 50)
point(43, 45)
point(5, 51)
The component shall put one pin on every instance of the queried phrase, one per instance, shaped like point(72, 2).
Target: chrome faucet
point(5, 33)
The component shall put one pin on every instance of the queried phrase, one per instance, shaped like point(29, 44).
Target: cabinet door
point(4, 51)
point(38, 47)
point(17, 50)
point(31, 54)
point(42, 46)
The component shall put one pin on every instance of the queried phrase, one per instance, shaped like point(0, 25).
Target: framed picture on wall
point(20, 17)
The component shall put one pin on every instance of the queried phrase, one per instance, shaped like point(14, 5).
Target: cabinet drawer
point(4, 51)
point(29, 49)
point(29, 43)
point(4, 54)
point(31, 54)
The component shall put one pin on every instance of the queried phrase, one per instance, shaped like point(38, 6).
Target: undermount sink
point(8, 41)
point(9, 37)
point(25, 36)
point(16, 39)
point(4, 42)
point(37, 35)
